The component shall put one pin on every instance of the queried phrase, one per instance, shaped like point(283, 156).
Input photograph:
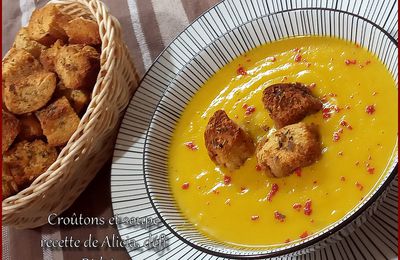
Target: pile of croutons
point(48, 76)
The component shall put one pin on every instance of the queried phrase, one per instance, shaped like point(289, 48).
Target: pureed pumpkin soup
point(357, 127)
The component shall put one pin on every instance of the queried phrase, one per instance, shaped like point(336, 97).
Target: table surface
point(148, 26)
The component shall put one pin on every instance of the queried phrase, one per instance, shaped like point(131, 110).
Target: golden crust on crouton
point(289, 103)
point(18, 64)
point(77, 66)
point(27, 160)
point(30, 127)
point(289, 148)
point(46, 25)
point(11, 128)
point(78, 98)
point(228, 145)
point(59, 121)
point(31, 93)
point(9, 186)
point(48, 57)
point(22, 41)
point(83, 31)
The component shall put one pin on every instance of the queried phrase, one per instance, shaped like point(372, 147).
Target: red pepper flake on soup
point(255, 217)
point(371, 170)
point(279, 216)
point(190, 145)
point(307, 208)
point(258, 168)
point(297, 57)
point(326, 112)
point(370, 109)
point(304, 235)
point(271, 59)
point(336, 136)
point(297, 206)
point(241, 71)
point(250, 110)
point(297, 171)
point(350, 62)
point(287, 241)
point(273, 191)
point(346, 124)
point(185, 186)
point(342, 178)
point(359, 186)
point(227, 179)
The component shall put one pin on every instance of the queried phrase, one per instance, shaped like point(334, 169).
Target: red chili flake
point(271, 59)
point(350, 62)
point(258, 167)
point(359, 186)
point(287, 241)
point(304, 235)
point(241, 71)
point(227, 179)
point(307, 208)
point(296, 49)
point(250, 110)
point(185, 186)
point(371, 170)
point(346, 124)
point(308, 64)
point(336, 108)
point(326, 112)
point(245, 106)
point(216, 192)
point(314, 182)
point(255, 217)
point(367, 62)
point(312, 85)
point(279, 216)
point(370, 109)
point(336, 136)
point(248, 60)
point(284, 79)
point(273, 191)
point(297, 206)
point(191, 146)
point(243, 189)
point(297, 171)
point(297, 58)
point(342, 178)
point(357, 45)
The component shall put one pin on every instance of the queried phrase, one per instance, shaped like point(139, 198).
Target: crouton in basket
point(289, 148)
point(30, 127)
point(289, 103)
point(9, 186)
point(83, 31)
point(18, 64)
point(59, 121)
point(46, 25)
point(22, 41)
point(27, 160)
point(78, 98)
point(77, 65)
point(228, 145)
point(11, 129)
point(48, 57)
point(30, 93)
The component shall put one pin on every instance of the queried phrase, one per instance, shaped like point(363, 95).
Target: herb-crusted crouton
point(59, 121)
point(9, 186)
point(22, 41)
point(30, 127)
point(289, 148)
point(18, 64)
point(46, 25)
point(31, 93)
point(27, 160)
point(77, 66)
point(228, 145)
point(83, 31)
point(11, 128)
point(48, 57)
point(289, 103)
point(78, 98)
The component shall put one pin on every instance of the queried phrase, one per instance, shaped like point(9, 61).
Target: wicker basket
point(92, 143)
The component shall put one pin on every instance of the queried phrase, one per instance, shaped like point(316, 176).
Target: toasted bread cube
point(227, 144)
point(30, 127)
point(46, 25)
point(289, 103)
point(27, 160)
point(18, 64)
point(22, 41)
point(78, 98)
point(83, 31)
point(9, 186)
point(11, 128)
point(59, 121)
point(291, 147)
point(48, 57)
point(77, 66)
point(31, 93)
